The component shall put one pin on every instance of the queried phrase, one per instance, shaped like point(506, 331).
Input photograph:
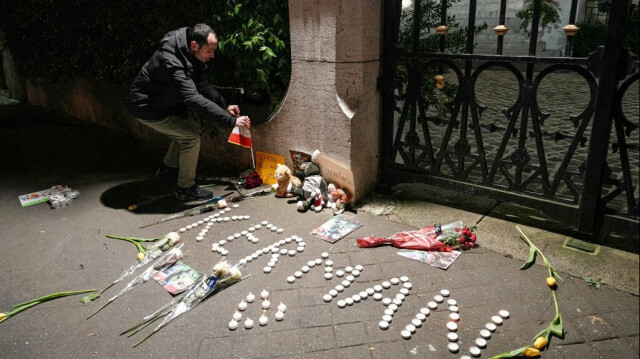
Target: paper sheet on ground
point(177, 278)
point(336, 228)
point(437, 259)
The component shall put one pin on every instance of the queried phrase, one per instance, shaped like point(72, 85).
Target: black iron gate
point(546, 132)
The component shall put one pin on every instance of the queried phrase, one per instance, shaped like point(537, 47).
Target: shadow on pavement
point(150, 197)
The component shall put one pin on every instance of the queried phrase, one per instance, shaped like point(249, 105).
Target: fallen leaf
point(90, 298)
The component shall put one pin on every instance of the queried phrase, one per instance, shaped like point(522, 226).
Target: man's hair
point(201, 33)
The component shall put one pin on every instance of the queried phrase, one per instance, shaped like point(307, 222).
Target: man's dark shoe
point(193, 193)
point(166, 174)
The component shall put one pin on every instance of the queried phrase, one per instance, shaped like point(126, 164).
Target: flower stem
point(99, 309)
point(145, 325)
point(135, 241)
point(32, 303)
point(554, 328)
point(17, 310)
point(54, 296)
point(145, 338)
point(109, 286)
point(552, 272)
point(132, 239)
point(150, 319)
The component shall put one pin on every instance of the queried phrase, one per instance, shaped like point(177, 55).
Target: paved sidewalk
point(46, 250)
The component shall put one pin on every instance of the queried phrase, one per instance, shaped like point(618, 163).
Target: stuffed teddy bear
point(331, 201)
point(313, 189)
point(318, 201)
point(284, 177)
point(339, 199)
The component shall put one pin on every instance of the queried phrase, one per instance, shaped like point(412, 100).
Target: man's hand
point(233, 110)
point(243, 121)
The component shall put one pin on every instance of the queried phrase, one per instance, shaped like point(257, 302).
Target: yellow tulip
point(540, 342)
point(140, 256)
point(531, 352)
point(551, 281)
point(3, 316)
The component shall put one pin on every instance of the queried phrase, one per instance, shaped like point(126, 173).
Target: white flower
point(173, 238)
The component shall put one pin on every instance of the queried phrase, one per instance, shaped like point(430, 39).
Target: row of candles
point(351, 273)
point(263, 320)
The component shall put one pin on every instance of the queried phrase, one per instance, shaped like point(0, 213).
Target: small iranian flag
point(241, 136)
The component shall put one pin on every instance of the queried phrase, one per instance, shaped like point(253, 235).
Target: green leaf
point(53, 296)
point(268, 54)
point(555, 274)
point(90, 298)
point(510, 354)
point(557, 328)
point(530, 260)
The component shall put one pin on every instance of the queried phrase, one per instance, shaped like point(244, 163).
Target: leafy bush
point(588, 38)
point(110, 40)
point(592, 35)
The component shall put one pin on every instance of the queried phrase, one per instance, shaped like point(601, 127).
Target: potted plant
point(549, 13)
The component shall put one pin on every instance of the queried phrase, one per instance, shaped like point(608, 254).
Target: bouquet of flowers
point(166, 261)
point(459, 238)
point(221, 276)
point(431, 238)
point(251, 180)
point(159, 246)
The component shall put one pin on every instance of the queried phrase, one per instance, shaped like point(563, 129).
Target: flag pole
point(252, 158)
point(253, 161)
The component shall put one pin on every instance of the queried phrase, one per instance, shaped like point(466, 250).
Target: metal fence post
point(591, 214)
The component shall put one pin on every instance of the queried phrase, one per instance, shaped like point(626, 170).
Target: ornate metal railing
point(524, 129)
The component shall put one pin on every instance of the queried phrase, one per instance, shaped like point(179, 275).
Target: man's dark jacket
point(173, 80)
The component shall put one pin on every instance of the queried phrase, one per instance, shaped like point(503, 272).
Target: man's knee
point(190, 140)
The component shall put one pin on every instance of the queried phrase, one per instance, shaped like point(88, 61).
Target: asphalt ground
point(47, 250)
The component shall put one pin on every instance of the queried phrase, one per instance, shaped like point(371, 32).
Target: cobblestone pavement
point(561, 95)
point(46, 251)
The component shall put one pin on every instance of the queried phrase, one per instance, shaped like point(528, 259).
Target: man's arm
point(194, 99)
point(208, 91)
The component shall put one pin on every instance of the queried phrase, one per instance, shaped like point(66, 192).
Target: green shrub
point(110, 40)
point(588, 38)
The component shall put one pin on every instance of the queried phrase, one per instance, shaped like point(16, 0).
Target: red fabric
point(422, 239)
point(240, 136)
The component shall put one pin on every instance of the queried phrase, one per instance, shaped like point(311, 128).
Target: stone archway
point(332, 103)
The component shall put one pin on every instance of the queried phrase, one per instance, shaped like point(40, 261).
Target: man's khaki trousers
point(184, 150)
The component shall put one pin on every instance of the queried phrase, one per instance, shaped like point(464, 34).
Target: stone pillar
point(332, 103)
